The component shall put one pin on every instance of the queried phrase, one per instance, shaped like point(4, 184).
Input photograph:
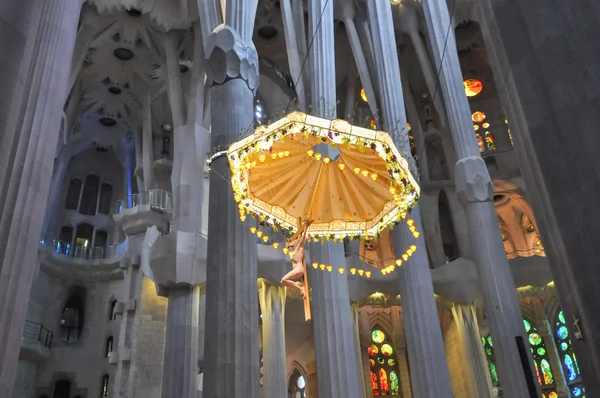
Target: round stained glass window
point(387, 350)
point(489, 339)
point(373, 350)
point(541, 351)
point(553, 395)
point(478, 116)
point(472, 87)
point(488, 351)
point(577, 391)
point(564, 346)
point(534, 339)
point(562, 332)
point(301, 383)
point(527, 325)
point(372, 362)
point(378, 336)
point(380, 360)
point(391, 362)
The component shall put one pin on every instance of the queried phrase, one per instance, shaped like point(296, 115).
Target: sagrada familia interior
point(437, 158)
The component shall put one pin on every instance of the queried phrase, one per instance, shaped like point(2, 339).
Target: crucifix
point(578, 333)
point(295, 245)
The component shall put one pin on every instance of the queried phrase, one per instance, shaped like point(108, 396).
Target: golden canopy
point(351, 181)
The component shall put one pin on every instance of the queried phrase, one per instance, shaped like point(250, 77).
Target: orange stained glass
point(472, 87)
point(383, 381)
point(489, 141)
point(363, 95)
point(374, 385)
point(478, 116)
point(480, 142)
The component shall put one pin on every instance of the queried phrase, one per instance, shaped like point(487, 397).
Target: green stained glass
point(527, 325)
point(548, 379)
point(391, 362)
point(387, 350)
point(489, 339)
point(394, 383)
point(564, 346)
point(562, 332)
point(541, 351)
point(488, 351)
point(561, 317)
point(482, 340)
point(378, 336)
point(494, 374)
point(534, 339)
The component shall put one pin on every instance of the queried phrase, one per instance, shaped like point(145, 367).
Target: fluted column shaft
point(181, 343)
point(272, 305)
point(147, 145)
point(230, 349)
point(240, 15)
point(429, 369)
point(475, 191)
point(292, 47)
point(27, 148)
point(334, 339)
point(478, 381)
point(362, 392)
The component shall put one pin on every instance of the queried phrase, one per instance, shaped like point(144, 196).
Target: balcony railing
point(49, 242)
point(158, 199)
point(37, 331)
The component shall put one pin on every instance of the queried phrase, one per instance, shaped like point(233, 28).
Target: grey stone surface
point(547, 69)
point(230, 347)
point(27, 153)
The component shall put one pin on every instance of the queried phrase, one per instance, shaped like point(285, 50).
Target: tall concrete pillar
point(38, 72)
point(362, 392)
point(334, 336)
point(550, 107)
point(478, 382)
point(231, 349)
point(476, 192)
point(428, 367)
point(272, 305)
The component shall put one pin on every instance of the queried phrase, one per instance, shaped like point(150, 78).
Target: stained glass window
point(472, 87)
point(382, 359)
point(489, 141)
point(480, 142)
point(297, 386)
point(540, 360)
point(489, 351)
point(568, 357)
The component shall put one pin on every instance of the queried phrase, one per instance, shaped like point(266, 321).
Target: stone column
point(28, 138)
point(272, 305)
point(429, 369)
point(401, 354)
point(475, 191)
point(181, 343)
point(362, 392)
point(334, 337)
point(231, 350)
point(292, 47)
point(147, 146)
point(478, 381)
point(364, 327)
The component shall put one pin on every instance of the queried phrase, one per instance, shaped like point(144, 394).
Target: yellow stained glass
point(378, 336)
point(473, 87)
point(363, 95)
point(478, 116)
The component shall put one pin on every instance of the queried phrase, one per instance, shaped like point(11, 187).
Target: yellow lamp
point(310, 152)
point(273, 156)
point(326, 160)
point(318, 156)
point(262, 157)
point(361, 272)
point(398, 262)
point(285, 250)
point(322, 266)
point(315, 265)
point(275, 245)
point(259, 233)
point(368, 274)
point(265, 238)
point(342, 166)
point(405, 257)
point(253, 229)
point(353, 271)
point(329, 268)
point(341, 270)
point(356, 170)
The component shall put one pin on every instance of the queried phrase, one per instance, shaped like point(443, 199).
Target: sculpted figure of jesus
point(295, 245)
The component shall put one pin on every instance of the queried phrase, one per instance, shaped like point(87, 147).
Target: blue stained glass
point(564, 346)
point(570, 368)
point(562, 332)
point(577, 391)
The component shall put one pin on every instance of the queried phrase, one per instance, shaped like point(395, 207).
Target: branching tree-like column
point(333, 327)
point(231, 349)
point(476, 194)
point(29, 130)
point(428, 367)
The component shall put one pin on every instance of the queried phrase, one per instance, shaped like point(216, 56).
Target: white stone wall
point(81, 362)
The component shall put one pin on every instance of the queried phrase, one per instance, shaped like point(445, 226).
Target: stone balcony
point(35, 342)
point(59, 258)
point(138, 212)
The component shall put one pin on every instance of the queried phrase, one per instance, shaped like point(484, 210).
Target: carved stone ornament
point(230, 58)
point(473, 182)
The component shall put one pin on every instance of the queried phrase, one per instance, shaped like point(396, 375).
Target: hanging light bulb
point(318, 156)
point(365, 173)
point(368, 274)
point(275, 245)
point(315, 265)
point(310, 152)
point(413, 247)
point(342, 166)
point(405, 257)
point(361, 272)
point(416, 234)
point(326, 159)
point(353, 271)
point(374, 176)
point(253, 229)
point(262, 157)
point(265, 238)
point(356, 170)
point(273, 156)
point(259, 233)
point(329, 268)
point(398, 262)
point(322, 266)
point(341, 270)
point(285, 250)
point(242, 218)
point(286, 154)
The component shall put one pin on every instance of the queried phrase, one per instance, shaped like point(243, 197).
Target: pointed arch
point(567, 355)
point(71, 322)
point(383, 365)
point(297, 385)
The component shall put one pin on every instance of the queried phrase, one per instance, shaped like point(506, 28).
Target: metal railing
point(158, 199)
point(37, 331)
point(50, 243)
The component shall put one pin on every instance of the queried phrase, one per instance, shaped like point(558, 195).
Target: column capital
point(473, 182)
point(229, 57)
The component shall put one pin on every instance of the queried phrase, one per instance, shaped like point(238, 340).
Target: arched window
point(62, 389)
point(89, 197)
point(65, 237)
point(480, 142)
point(106, 193)
point(382, 359)
point(488, 345)
point(297, 386)
point(71, 321)
point(109, 347)
point(72, 199)
point(540, 360)
point(567, 356)
point(104, 388)
point(489, 141)
point(100, 241)
point(111, 314)
point(83, 240)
